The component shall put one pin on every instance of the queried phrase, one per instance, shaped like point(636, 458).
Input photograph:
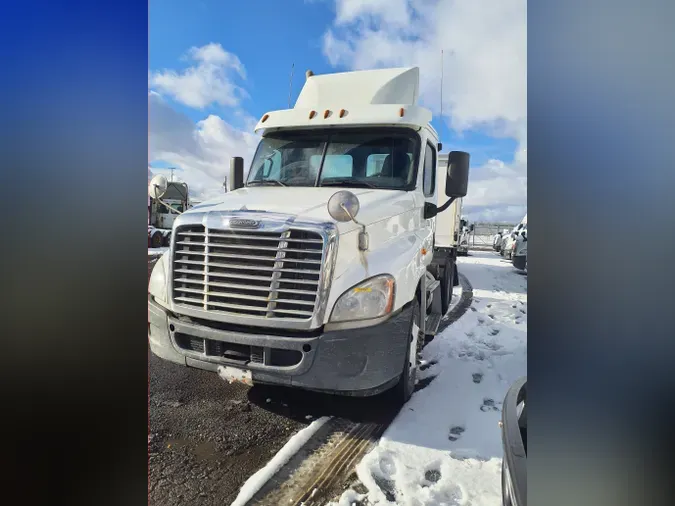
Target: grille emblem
point(244, 223)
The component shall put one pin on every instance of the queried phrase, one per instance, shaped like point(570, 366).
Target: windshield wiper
point(348, 182)
point(274, 182)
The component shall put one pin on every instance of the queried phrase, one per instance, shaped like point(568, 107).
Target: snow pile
point(444, 447)
point(256, 482)
point(157, 251)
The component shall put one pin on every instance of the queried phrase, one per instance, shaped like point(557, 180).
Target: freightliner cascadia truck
point(333, 262)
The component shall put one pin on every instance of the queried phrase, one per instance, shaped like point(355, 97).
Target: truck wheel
point(406, 384)
point(156, 240)
point(166, 240)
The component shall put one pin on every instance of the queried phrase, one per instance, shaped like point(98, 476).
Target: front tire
point(156, 240)
point(405, 387)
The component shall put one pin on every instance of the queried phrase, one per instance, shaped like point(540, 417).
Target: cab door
point(429, 191)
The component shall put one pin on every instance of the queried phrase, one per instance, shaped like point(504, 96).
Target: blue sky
point(265, 37)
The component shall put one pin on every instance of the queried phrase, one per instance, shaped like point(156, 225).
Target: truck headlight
point(370, 299)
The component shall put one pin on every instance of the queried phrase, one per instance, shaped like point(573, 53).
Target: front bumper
point(362, 361)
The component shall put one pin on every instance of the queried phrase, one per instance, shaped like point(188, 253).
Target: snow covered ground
point(156, 251)
point(444, 447)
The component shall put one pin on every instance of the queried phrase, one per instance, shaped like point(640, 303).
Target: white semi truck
point(333, 263)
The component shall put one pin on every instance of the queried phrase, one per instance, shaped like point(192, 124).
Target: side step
point(432, 323)
point(433, 285)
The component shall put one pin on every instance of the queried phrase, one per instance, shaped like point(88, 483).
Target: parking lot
point(207, 437)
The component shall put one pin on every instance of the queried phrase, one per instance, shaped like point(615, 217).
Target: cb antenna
point(441, 125)
point(290, 85)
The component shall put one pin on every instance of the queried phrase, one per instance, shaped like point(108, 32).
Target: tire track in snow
point(321, 465)
point(462, 306)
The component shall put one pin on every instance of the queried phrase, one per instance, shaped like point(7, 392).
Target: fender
point(159, 278)
point(401, 256)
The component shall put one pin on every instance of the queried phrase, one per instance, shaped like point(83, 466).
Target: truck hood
point(310, 202)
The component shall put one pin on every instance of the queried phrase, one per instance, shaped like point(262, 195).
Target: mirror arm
point(446, 205)
point(363, 235)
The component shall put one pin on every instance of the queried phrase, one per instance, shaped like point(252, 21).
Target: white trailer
point(330, 267)
point(448, 223)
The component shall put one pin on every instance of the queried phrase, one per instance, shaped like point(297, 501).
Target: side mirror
point(430, 210)
point(343, 206)
point(157, 186)
point(236, 173)
point(457, 177)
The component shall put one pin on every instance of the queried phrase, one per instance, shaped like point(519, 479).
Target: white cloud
point(210, 80)
point(494, 214)
point(485, 71)
point(392, 12)
point(201, 151)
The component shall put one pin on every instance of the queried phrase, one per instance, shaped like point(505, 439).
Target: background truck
point(519, 256)
point(464, 235)
point(334, 262)
point(509, 241)
point(161, 218)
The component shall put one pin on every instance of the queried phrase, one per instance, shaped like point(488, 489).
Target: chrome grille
point(252, 273)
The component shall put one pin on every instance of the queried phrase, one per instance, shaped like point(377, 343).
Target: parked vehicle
point(463, 246)
point(327, 269)
point(514, 442)
point(519, 257)
point(498, 238)
point(508, 244)
point(504, 244)
point(161, 218)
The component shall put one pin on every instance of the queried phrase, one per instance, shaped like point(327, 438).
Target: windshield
point(377, 158)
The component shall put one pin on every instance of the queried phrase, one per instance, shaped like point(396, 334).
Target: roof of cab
point(372, 97)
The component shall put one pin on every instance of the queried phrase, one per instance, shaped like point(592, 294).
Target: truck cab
point(329, 266)
point(176, 197)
